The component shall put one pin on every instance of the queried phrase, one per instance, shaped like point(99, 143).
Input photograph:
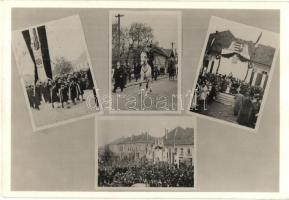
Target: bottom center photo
point(145, 152)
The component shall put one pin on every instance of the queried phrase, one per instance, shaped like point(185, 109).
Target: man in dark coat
point(150, 61)
point(245, 112)
point(172, 66)
point(37, 96)
point(256, 108)
point(136, 71)
point(54, 93)
point(239, 98)
point(118, 77)
point(63, 93)
point(128, 72)
point(80, 91)
point(73, 90)
point(47, 92)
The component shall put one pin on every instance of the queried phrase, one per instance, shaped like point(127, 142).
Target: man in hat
point(119, 77)
point(54, 92)
point(171, 66)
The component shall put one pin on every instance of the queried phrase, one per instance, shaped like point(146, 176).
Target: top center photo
point(145, 61)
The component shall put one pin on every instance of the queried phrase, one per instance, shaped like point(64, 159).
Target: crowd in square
point(248, 98)
point(129, 173)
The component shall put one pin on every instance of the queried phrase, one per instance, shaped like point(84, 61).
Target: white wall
point(238, 69)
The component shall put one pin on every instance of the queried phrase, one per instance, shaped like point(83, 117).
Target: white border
point(268, 84)
point(284, 99)
point(85, 116)
point(284, 76)
point(2, 90)
point(144, 189)
point(179, 80)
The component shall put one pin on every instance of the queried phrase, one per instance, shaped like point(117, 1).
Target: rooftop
point(180, 136)
point(177, 136)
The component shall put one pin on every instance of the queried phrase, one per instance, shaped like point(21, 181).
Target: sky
point(164, 24)
point(244, 32)
point(65, 39)
point(112, 129)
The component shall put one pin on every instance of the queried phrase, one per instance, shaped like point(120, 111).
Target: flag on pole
point(175, 133)
point(35, 46)
point(212, 42)
point(27, 39)
point(36, 42)
point(45, 51)
point(258, 40)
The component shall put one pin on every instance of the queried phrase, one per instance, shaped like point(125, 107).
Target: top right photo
point(235, 70)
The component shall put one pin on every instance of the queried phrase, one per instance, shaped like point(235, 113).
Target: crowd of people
point(62, 89)
point(151, 175)
point(247, 98)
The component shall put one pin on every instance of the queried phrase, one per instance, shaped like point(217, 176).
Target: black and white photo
point(234, 72)
point(145, 60)
point(56, 72)
point(142, 152)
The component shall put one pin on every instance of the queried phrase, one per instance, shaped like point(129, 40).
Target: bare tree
point(139, 34)
point(62, 66)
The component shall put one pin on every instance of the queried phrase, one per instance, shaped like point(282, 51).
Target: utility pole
point(118, 16)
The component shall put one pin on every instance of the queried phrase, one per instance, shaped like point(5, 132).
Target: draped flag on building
point(237, 48)
point(36, 42)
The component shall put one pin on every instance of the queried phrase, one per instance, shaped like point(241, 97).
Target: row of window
point(188, 150)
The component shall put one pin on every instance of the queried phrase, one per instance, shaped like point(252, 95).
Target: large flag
point(239, 48)
point(36, 42)
point(45, 51)
point(27, 39)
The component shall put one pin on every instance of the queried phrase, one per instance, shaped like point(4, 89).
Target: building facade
point(227, 55)
point(176, 147)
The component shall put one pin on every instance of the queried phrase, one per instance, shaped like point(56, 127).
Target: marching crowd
point(151, 175)
point(63, 89)
point(247, 98)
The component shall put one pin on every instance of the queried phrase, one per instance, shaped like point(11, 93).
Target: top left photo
point(56, 72)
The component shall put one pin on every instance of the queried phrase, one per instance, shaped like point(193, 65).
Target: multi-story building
point(175, 147)
point(180, 145)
